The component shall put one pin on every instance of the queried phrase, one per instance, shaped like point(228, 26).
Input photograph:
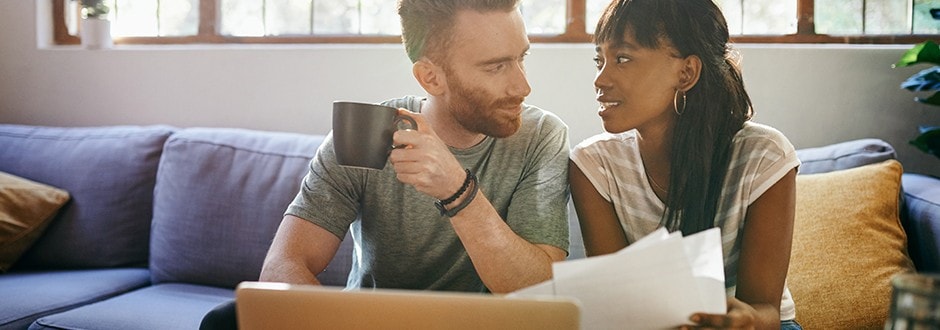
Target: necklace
point(655, 184)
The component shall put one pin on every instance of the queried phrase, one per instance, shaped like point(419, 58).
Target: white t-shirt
point(761, 156)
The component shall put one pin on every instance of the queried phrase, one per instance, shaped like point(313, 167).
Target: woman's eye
point(622, 59)
point(598, 62)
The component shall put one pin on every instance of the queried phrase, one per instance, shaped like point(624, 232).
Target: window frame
point(574, 32)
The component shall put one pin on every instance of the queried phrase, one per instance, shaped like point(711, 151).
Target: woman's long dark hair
point(716, 107)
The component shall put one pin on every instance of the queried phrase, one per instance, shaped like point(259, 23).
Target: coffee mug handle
point(411, 122)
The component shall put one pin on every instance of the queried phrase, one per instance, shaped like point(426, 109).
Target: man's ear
point(430, 76)
point(691, 71)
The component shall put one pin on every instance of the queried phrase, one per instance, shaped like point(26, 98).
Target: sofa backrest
point(844, 155)
point(219, 198)
point(110, 174)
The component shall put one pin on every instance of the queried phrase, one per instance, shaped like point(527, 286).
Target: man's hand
point(422, 160)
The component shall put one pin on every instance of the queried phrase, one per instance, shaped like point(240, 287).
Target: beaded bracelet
point(466, 201)
point(471, 180)
point(452, 198)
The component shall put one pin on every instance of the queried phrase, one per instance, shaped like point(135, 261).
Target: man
point(473, 200)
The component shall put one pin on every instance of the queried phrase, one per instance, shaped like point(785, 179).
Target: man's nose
point(519, 86)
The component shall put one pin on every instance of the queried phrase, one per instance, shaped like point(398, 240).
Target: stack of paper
point(655, 283)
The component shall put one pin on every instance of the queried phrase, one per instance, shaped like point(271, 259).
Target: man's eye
point(598, 62)
point(497, 67)
point(622, 59)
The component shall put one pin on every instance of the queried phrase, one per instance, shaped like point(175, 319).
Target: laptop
point(265, 305)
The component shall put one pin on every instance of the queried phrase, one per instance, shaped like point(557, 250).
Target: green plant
point(95, 9)
point(928, 139)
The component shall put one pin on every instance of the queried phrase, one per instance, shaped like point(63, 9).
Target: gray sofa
point(164, 222)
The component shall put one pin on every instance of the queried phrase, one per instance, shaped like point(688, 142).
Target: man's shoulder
point(537, 119)
point(410, 102)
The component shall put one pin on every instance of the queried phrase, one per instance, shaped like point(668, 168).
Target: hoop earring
point(675, 103)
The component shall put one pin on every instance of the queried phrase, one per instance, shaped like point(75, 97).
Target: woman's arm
point(764, 260)
point(600, 227)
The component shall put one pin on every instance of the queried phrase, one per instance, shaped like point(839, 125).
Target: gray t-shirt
point(401, 239)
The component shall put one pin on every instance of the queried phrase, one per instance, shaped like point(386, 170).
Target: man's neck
point(447, 128)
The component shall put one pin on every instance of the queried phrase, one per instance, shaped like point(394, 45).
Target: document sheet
point(655, 283)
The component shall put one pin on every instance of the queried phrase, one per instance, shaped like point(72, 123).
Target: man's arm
point(300, 251)
point(504, 261)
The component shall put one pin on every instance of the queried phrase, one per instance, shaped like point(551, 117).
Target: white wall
point(816, 94)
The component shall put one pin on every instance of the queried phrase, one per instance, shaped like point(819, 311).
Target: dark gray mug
point(362, 133)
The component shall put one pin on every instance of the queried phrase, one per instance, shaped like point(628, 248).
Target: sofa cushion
point(28, 296)
point(922, 220)
point(110, 174)
point(844, 155)
point(26, 207)
point(847, 244)
point(219, 198)
point(164, 306)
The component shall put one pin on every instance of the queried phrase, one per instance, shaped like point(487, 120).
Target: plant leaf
point(925, 52)
point(928, 141)
point(925, 80)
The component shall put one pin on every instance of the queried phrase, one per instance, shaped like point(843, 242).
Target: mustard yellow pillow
point(26, 207)
point(847, 244)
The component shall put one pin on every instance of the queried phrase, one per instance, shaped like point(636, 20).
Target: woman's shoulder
point(605, 146)
point(760, 136)
point(608, 140)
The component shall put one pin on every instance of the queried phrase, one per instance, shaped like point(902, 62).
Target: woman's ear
point(430, 76)
point(691, 71)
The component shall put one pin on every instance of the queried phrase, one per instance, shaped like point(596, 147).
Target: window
point(374, 21)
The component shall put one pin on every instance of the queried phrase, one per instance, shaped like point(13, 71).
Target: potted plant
point(928, 139)
point(95, 28)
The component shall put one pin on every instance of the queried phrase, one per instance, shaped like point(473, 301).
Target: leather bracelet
point(463, 204)
point(463, 187)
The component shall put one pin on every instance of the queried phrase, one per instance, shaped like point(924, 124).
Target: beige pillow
point(847, 244)
point(26, 207)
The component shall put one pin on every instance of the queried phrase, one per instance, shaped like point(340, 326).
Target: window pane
point(380, 17)
point(336, 17)
point(134, 18)
point(242, 17)
point(593, 12)
point(287, 17)
point(838, 17)
point(73, 10)
point(544, 16)
point(179, 17)
point(923, 22)
point(733, 14)
point(887, 17)
point(773, 17)
point(761, 17)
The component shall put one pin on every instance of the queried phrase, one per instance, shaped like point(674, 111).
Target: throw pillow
point(847, 244)
point(26, 208)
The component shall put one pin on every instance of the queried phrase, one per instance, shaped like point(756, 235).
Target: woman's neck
point(655, 145)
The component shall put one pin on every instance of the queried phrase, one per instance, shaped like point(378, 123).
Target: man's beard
point(473, 110)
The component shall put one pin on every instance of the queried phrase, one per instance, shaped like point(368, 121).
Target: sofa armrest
point(921, 218)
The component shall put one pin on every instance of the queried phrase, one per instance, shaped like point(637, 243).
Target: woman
point(680, 152)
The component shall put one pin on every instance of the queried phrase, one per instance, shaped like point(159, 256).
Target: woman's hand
point(740, 316)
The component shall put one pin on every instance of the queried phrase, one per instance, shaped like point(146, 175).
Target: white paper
point(655, 283)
